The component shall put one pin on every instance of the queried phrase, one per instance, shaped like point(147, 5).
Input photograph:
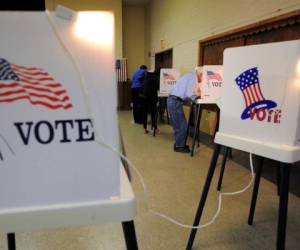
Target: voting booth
point(260, 103)
point(212, 83)
point(58, 114)
point(260, 115)
point(168, 78)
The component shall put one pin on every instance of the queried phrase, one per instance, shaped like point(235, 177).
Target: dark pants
point(149, 106)
point(137, 106)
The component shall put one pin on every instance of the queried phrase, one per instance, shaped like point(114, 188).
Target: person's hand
point(198, 83)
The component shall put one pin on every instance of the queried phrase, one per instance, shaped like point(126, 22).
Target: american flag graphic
point(121, 70)
point(249, 85)
point(33, 84)
point(168, 77)
point(214, 76)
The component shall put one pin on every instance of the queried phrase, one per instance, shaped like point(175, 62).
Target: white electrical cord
point(100, 141)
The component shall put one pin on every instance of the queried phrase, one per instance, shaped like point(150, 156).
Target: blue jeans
point(177, 119)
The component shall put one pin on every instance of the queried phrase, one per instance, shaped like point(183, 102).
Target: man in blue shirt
point(136, 88)
point(186, 88)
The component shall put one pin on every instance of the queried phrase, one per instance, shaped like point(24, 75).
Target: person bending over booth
point(136, 88)
point(186, 88)
point(150, 98)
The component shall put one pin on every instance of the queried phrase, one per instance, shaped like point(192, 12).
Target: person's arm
point(198, 84)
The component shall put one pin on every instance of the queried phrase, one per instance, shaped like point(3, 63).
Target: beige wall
point(134, 37)
point(183, 23)
point(110, 5)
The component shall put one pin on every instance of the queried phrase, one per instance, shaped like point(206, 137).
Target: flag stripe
point(55, 85)
point(121, 70)
point(27, 68)
point(54, 99)
point(251, 89)
point(37, 79)
point(43, 89)
point(250, 96)
point(246, 98)
point(48, 105)
point(258, 91)
point(30, 72)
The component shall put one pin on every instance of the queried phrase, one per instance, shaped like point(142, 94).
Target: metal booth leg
point(189, 122)
point(11, 241)
point(230, 153)
point(223, 168)
point(129, 234)
point(278, 178)
point(165, 103)
point(209, 177)
point(283, 204)
point(196, 126)
point(255, 189)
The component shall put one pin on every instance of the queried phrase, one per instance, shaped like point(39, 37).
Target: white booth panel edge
point(282, 153)
point(118, 209)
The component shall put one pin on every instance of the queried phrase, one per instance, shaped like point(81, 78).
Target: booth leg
point(223, 168)
point(198, 135)
point(209, 177)
point(129, 234)
point(230, 153)
point(278, 178)
point(189, 122)
point(11, 241)
point(218, 121)
point(168, 117)
point(255, 190)
point(155, 120)
point(283, 204)
point(198, 117)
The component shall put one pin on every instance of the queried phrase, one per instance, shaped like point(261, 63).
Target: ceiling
point(135, 2)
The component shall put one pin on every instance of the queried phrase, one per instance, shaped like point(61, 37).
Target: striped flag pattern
point(32, 84)
point(121, 70)
point(168, 77)
point(249, 85)
point(213, 76)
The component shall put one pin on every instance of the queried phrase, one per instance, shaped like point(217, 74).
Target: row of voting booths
point(58, 120)
point(210, 93)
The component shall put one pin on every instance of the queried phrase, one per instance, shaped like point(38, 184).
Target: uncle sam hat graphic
point(248, 83)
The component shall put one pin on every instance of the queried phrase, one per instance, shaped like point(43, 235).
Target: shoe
point(186, 146)
point(182, 149)
point(146, 131)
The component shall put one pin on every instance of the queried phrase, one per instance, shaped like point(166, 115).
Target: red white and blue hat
point(248, 83)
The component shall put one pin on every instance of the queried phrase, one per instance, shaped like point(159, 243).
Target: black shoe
point(184, 149)
point(186, 146)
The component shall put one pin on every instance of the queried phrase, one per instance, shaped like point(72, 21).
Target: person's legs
point(136, 105)
point(177, 120)
point(153, 110)
point(145, 108)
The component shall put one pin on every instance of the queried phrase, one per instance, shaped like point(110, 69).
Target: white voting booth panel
point(212, 82)
point(50, 116)
point(168, 78)
point(260, 100)
point(123, 208)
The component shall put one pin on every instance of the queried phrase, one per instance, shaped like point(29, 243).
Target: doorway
point(164, 59)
